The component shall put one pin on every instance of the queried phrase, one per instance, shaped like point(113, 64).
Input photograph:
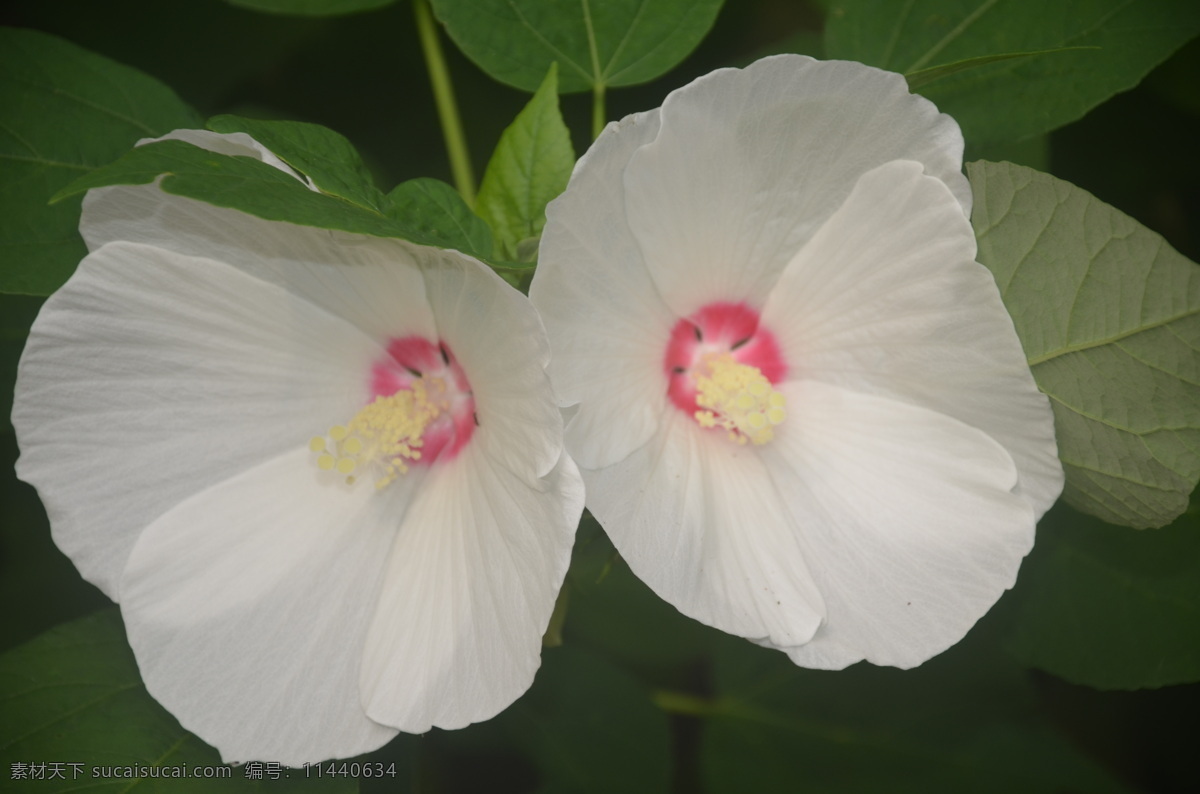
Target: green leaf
point(325, 157)
point(595, 42)
point(422, 211)
point(581, 715)
point(63, 112)
point(39, 587)
point(311, 8)
point(74, 695)
point(531, 166)
point(660, 645)
point(437, 210)
point(245, 184)
point(964, 721)
point(1112, 609)
point(1109, 316)
point(923, 77)
point(584, 727)
point(1014, 99)
point(17, 313)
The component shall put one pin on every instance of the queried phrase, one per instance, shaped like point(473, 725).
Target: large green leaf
point(1109, 316)
point(251, 186)
point(324, 156)
point(74, 695)
point(965, 721)
point(584, 727)
point(660, 644)
point(922, 77)
point(17, 313)
point(1023, 97)
point(311, 8)
point(437, 210)
point(1113, 609)
point(240, 183)
point(39, 587)
point(63, 112)
point(531, 165)
point(595, 42)
point(591, 727)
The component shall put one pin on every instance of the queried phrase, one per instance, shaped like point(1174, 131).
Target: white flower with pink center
point(802, 412)
point(322, 474)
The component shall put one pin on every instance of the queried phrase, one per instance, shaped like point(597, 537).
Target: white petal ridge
point(467, 594)
point(248, 606)
point(314, 264)
point(480, 557)
point(906, 312)
point(700, 521)
point(151, 376)
point(600, 305)
point(908, 517)
point(748, 163)
point(519, 424)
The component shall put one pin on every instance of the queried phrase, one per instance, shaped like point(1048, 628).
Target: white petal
point(468, 592)
point(600, 306)
point(497, 337)
point(749, 163)
point(698, 519)
point(248, 604)
point(907, 516)
point(369, 281)
point(151, 376)
point(905, 311)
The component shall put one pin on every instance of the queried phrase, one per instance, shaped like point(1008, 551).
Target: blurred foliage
point(45, 78)
point(1098, 605)
point(74, 695)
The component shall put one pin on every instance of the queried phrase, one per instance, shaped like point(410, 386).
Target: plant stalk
point(598, 119)
point(447, 108)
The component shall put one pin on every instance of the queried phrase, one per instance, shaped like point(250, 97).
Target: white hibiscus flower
point(322, 473)
point(804, 416)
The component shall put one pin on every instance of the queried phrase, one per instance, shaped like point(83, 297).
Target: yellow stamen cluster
point(738, 398)
point(387, 432)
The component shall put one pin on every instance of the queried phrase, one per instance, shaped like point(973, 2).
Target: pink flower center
point(412, 359)
point(720, 366)
point(422, 410)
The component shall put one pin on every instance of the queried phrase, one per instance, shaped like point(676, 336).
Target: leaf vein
point(957, 31)
point(1076, 348)
point(546, 42)
point(72, 712)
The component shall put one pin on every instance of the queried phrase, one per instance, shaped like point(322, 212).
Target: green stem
point(682, 703)
point(598, 119)
point(443, 96)
point(553, 636)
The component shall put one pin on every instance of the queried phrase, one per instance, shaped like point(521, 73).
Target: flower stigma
point(721, 366)
point(738, 398)
point(385, 435)
point(422, 409)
